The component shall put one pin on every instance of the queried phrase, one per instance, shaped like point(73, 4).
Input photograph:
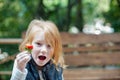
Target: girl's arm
point(19, 71)
point(17, 74)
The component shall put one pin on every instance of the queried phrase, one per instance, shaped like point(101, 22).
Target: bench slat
point(93, 59)
point(10, 41)
point(82, 38)
point(85, 74)
point(91, 48)
point(92, 74)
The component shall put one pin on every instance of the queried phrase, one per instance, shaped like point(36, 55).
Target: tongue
point(42, 57)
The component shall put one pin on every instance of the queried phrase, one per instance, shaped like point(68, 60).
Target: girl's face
point(42, 52)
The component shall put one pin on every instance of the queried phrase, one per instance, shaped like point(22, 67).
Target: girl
point(45, 62)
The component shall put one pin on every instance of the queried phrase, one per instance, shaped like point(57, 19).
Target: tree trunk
point(40, 13)
point(69, 14)
point(79, 16)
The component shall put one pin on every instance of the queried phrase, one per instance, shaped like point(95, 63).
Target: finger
point(24, 60)
point(24, 52)
point(22, 56)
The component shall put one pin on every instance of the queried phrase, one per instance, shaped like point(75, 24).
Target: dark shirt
point(49, 71)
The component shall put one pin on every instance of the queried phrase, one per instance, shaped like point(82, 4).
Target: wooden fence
point(88, 56)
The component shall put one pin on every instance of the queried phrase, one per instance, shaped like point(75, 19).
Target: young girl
point(45, 61)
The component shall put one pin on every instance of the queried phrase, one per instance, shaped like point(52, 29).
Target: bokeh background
point(86, 16)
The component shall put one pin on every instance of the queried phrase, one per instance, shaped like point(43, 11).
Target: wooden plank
point(79, 38)
point(82, 38)
point(92, 74)
point(10, 40)
point(91, 48)
point(92, 59)
point(5, 72)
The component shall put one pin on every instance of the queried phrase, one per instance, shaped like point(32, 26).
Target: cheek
point(35, 50)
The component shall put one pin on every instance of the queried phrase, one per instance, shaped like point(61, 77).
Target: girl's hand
point(22, 59)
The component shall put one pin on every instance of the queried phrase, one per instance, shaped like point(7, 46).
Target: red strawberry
point(28, 47)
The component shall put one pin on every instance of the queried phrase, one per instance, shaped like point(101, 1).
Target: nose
point(44, 49)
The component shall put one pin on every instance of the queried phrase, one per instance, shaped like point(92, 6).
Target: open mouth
point(42, 57)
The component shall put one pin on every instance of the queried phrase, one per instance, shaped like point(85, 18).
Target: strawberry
point(28, 47)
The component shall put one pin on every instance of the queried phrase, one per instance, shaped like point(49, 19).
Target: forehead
point(39, 36)
point(41, 33)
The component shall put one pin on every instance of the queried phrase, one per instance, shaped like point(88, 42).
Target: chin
point(41, 62)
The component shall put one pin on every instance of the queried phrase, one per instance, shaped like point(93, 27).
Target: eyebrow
point(39, 41)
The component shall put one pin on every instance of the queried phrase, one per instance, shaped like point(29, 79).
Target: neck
point(39, 67)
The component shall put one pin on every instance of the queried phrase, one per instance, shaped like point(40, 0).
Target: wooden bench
point(89, 57)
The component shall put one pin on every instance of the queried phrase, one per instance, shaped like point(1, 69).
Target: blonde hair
point(52, 36)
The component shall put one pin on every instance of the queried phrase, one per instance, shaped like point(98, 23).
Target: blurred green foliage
point(113, 15)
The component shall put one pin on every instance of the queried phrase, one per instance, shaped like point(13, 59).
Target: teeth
point(42, 57)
